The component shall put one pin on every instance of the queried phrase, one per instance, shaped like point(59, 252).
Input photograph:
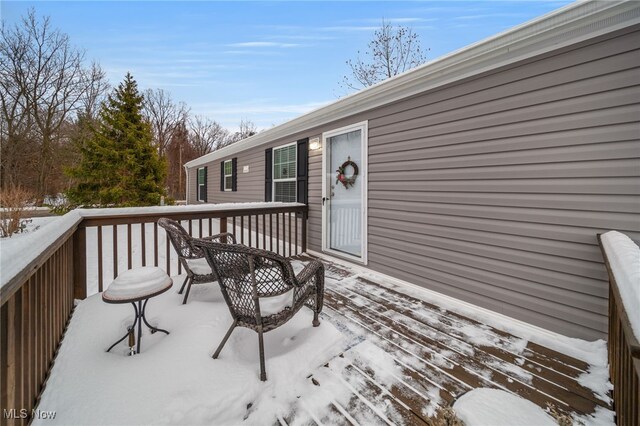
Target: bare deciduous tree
point(43, 85)
point(246, 129)
point(179, 151)
point(206, 135)
point(393, 50)
point(96, 92)
point(164, 115)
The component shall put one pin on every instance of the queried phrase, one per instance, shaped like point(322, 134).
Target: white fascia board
point(571, 24)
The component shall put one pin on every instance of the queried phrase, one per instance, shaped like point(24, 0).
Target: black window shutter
point(197, 184)
point(204, 198)
point(268, 173)
point(234, 174)
point(303, 171)
point(222, 176)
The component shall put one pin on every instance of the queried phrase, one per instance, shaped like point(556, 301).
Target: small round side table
point(137, 286)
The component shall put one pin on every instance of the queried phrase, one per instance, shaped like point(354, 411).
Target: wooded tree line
point(51, 100)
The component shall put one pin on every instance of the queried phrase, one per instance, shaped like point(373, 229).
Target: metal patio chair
point(191, 257)
point(261, 289)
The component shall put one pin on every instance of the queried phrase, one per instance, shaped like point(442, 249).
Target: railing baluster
point(100, 283)
point(179, 264)
point(241, 229)
point(190, 228)
point(8, 354)
point(289, 226)
point(303, 247)
point(249, 229)
point(200, 228)
point(234, 227)
point(210, 228)
point(296, 232)
point(129, 253)
point(33, 337)
point(258, 231)
point(143, 245)
point(270, 232)
point(278, 233)
point(115, 251)
point(155, 244)
point(27, 307)
point(264, 232)
point(168, 254)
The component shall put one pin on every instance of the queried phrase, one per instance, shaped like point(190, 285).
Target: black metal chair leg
point(183, 284)
point(263, 374)
point(186, 295)
point(224, 340)
point(316, 321)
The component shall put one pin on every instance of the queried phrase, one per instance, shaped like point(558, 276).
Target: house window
point(284, 173)
point(228, 175)
point(202, 186)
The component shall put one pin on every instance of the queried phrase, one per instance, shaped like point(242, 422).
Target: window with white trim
point(202, 187)
point(228, 175)
point(284, 173)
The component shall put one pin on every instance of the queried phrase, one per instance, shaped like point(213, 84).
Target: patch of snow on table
point(624, 258)
point(494, 407)
point(174, 380)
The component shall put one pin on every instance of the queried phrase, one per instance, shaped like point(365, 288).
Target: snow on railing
point(622, 259)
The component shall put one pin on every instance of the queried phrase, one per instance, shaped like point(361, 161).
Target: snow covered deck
point(382, 355)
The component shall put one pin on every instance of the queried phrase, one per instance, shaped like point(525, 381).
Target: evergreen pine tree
point(119, 165)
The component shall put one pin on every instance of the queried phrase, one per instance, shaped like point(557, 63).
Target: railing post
point(80, 263)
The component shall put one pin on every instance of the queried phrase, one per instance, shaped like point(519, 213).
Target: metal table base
point(140, 318)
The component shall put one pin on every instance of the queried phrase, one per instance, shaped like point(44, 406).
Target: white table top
point(137, 284)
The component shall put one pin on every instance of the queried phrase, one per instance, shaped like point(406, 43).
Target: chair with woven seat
point(191, 257)
point(261, 289)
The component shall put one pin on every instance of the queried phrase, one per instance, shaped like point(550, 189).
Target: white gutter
point(571, 24)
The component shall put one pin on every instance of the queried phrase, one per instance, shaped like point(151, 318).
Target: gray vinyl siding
point(492, 189)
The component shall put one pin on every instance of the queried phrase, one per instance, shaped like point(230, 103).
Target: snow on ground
point(624, 257)
point(494, 407)
point(174, 379)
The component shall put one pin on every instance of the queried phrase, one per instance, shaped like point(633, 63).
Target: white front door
point(345, 192)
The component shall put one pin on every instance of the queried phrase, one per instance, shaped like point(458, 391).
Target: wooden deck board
point(435, 359)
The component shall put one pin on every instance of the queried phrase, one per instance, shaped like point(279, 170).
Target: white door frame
point(362, 176)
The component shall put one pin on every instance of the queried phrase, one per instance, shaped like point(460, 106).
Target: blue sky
point(263, 61)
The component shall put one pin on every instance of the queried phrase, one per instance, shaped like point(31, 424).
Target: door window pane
point(345, 204)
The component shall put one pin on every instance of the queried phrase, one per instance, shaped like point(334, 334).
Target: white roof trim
point(568, 25)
